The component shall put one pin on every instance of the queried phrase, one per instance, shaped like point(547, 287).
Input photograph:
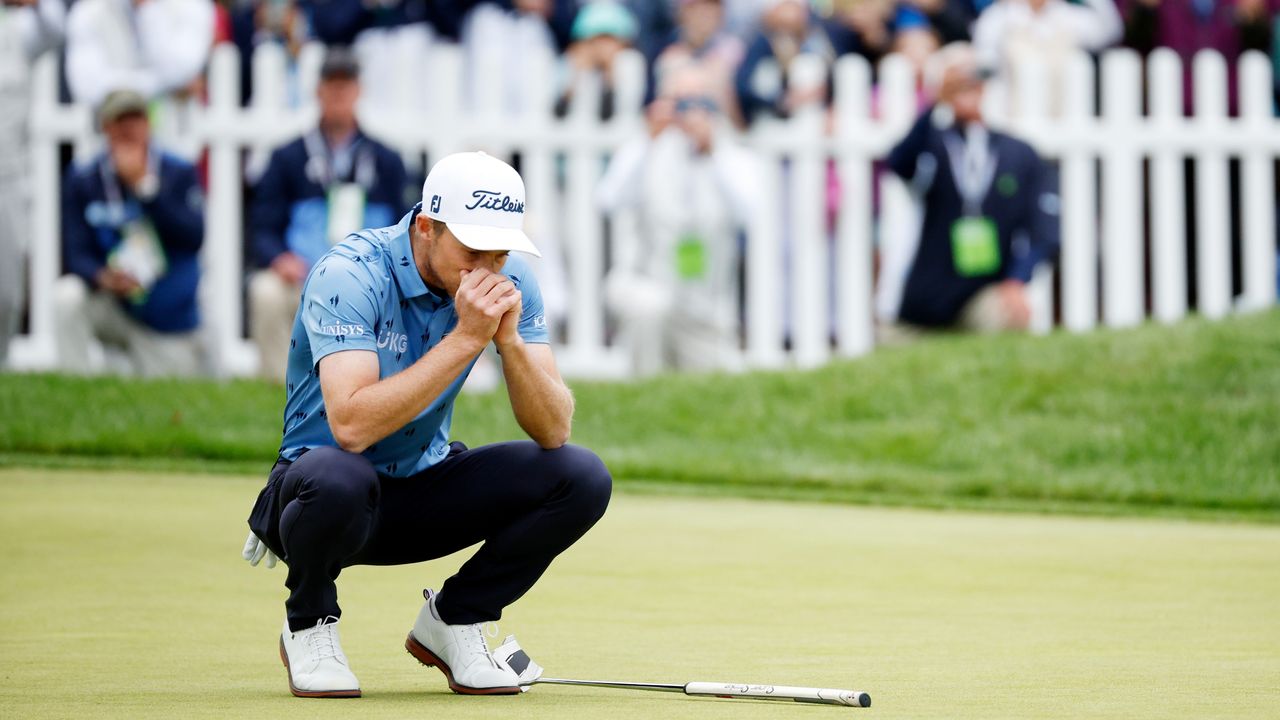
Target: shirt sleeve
point(340, 310)
point(533, 320)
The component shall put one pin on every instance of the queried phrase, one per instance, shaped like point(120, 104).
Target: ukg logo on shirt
point(394, 341)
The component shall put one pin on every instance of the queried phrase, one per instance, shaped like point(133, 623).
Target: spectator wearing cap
point(132, 224)
point(316, 190)
point(701, 40)
point(26, 31)
point(675, 293)
point(763, 82)
point(1010, 34)
point(602, 30)
point(154, 48)
point(990, 212)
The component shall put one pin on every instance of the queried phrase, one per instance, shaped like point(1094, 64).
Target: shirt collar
point(405, 266)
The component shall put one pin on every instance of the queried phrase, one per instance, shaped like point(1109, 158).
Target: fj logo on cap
point(435, 203)
point(490, 200)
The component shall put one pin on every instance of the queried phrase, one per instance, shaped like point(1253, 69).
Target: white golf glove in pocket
point(255, 550)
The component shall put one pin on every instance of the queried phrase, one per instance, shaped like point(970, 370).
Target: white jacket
point(154, 48)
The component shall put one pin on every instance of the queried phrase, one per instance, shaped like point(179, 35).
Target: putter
point(530, 674)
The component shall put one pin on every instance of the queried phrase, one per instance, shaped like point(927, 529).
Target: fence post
point(1122, 261)
point(1168, 188)
point(853, 240)
point(1079, 228)
point(1213, 222)
point(810, 268)
point(45, 247)
point(1257, 184)
point(221, 297)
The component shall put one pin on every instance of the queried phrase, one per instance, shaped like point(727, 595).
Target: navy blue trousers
point(330, 509)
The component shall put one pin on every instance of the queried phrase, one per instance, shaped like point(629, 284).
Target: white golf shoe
point(317, 667)
point(461, 653)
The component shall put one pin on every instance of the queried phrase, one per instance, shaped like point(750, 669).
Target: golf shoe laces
point(323, 639)
point(473, 638)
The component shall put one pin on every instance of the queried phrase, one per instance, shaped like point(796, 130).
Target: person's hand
point(699, 127)
point(130, 160)
point(659, 115)
point(255, 551)
point(800, 97)
point(117, 282)
point(482, 299)
point(291, 268)
point(1017, 309)
point(508, 332)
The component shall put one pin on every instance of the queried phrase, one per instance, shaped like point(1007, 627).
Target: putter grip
point(825, 696)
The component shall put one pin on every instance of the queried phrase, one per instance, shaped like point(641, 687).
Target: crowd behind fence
point(812, 269)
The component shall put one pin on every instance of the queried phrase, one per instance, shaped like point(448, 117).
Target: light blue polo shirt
point(366, 294)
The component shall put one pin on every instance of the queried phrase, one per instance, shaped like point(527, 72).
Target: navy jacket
point(338, 22)
point(96, 206)
point(1021, 200)
point(290, 208)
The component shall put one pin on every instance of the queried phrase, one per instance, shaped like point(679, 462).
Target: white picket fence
point(1102, 263)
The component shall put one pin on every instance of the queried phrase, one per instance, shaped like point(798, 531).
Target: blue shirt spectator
point(133, 223)
point(290, 209)
point(316, 190)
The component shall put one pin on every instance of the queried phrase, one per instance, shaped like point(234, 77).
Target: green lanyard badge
point(691, 257)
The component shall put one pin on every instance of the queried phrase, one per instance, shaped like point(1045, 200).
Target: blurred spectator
point(702, 41)
point(950, 19)
point(27, 28)
point(870, 27)
point(1011, 33)
point(154, 47)
point(317, 189)
point(655, 23)
point(254, 23)
point(601, 31)
point(498, 37)
point(132, 224)
point(383, 34)
point(787, 30)
point(990, 211)
point(1228, 26)
point(675, 295)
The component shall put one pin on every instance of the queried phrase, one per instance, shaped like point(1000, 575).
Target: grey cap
point(339, 62)
point(119, 103)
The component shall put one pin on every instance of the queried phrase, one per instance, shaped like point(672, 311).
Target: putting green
point(123, 595)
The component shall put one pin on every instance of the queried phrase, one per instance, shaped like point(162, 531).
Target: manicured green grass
point(122, 595)
point(1178, 420)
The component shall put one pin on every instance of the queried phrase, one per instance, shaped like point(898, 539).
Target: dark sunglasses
point(689, 104)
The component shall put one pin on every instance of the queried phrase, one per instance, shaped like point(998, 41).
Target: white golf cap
point(481, 199)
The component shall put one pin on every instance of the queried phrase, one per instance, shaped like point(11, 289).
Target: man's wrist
point(514, 345)
point(471, 343)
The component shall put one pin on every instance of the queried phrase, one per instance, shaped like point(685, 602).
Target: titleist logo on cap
point(492, 200)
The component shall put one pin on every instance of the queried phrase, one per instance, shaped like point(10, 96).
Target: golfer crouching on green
point(391, 321)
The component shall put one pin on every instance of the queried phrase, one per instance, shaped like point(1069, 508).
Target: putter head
point(511, 654)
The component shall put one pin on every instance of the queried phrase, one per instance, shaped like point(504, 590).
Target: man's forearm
point(540, 401)
point(375, 411)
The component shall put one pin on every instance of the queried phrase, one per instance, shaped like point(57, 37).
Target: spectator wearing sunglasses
point(674, 290)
